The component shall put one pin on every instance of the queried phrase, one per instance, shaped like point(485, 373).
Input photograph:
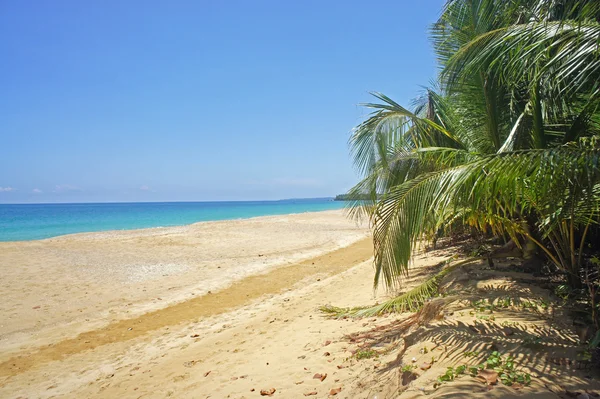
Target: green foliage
point(451, 373)
point(535, 304)
point(410, 301)
point(595, 342)
point(528, 305)
point(365, 354)
point(507, 143)
point(494, 360)
point(533, 342)
point(563, 291)
point(585, 355)
point(482, 305)
point(490, 305)
point(512, 181)
point(479, 251)
point(337, 312)
point(505, 367)
point(506, 302)
point(408, 368)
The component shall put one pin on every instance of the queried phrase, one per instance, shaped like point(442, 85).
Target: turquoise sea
point(20, 222)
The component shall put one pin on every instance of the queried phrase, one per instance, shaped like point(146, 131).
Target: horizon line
point(158, 202)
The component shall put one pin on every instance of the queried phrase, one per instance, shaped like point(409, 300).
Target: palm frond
point(504, 185)
point(410, 301)
point(531, 50)
point(500, 145)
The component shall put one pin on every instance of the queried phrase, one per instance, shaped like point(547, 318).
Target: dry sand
point(69, 295)
point(260, 327)
point(56, 288)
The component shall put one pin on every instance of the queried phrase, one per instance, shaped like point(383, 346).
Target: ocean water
point(19, 222)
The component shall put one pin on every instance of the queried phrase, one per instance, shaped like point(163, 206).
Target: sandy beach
point(295, 199)
point(56, 289)
point(230, 309)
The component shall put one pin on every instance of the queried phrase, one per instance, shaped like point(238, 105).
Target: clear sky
point(196, 100)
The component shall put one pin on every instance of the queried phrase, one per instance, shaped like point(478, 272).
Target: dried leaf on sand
point(267, 392)
point(489, 377)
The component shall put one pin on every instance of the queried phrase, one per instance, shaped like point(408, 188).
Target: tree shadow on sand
point(498, 312)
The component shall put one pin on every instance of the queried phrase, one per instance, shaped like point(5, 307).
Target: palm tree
point(508, 144)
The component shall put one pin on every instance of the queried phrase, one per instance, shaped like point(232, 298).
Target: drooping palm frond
point(392, 126)
point(384, 147)
point(504, 185)
point(410, 301)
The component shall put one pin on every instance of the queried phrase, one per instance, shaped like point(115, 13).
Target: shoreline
point(142, 229)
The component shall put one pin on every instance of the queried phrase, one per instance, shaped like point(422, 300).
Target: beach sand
point(146, 326)
point(57, 291)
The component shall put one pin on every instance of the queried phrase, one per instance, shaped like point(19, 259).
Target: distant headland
point(352, 197)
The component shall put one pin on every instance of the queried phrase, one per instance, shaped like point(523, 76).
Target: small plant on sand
point(450, 374)
point(490, 305)
point(585, 355)
point(482, 305)
point(470, 354)
point(408, 368)
point(407, 374)
point(494, 360)
point(478, 251)
point(533, 342)
point(505, 302)
point(504, 367)
point(535, 304)
point(563, 291)
point(509, 376)
point(507, 323)
point(485, 317)
point(544, 304)
point(529, 305)
point(365, 354)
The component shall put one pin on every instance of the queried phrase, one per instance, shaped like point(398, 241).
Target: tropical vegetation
point(505, 143)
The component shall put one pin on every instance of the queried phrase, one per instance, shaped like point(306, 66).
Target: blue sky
point(196, 100)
